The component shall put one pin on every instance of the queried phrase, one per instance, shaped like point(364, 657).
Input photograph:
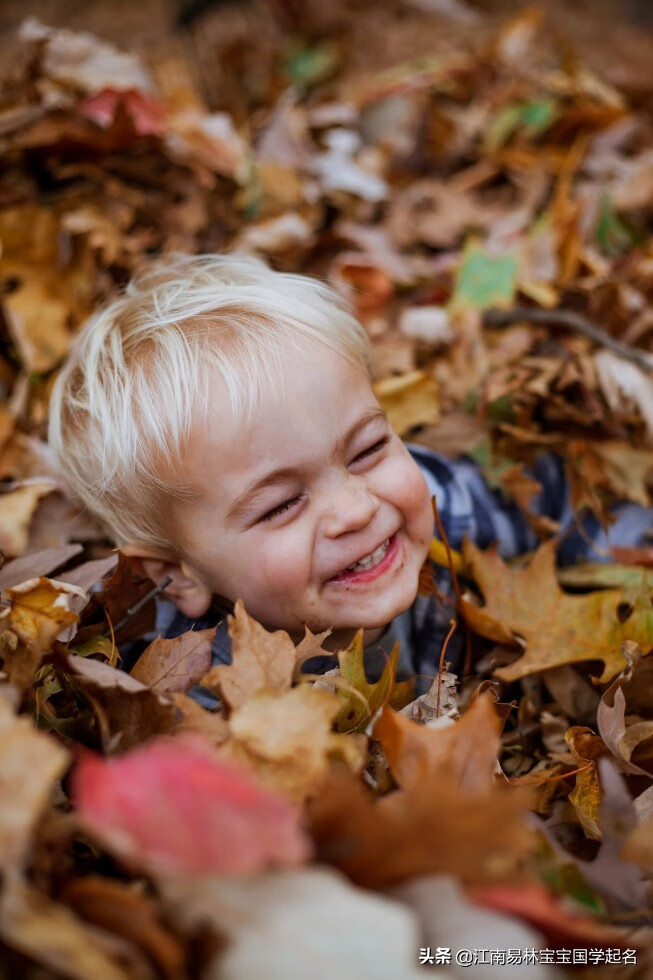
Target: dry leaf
point(557, 628)
point(174, 665)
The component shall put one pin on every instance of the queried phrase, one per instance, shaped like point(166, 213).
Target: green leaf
point(613, 234)
point(485, 281)
point(360, 699)
point(529, 118)
point(308, 66)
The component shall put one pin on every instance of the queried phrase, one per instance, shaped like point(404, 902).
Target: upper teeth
point(370, 560)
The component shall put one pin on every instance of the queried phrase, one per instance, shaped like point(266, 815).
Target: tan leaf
point(16, 511)
point(30, 762)
point(261, 661)
point(288, 740)
point(587, 748)
point(409, 400)
point(175, 664)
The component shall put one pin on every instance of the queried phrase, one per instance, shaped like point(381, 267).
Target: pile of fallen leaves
point(487, 211)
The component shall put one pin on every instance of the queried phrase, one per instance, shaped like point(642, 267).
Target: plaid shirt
point(467, 507)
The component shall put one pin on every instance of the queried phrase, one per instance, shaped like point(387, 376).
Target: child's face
point(318, 482)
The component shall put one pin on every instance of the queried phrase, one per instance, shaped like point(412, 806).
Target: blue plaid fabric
point(467, 507)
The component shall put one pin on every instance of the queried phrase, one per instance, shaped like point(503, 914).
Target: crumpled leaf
point(116, 907)
point(83, 61)
point(173, 807)
point(284, 923)
point(558, 628)
point(127, 711)
point(630, 694)
point(587, 748)
point(176, 664)
point(41, 610)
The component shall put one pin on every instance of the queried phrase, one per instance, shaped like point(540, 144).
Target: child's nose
point(350, 507)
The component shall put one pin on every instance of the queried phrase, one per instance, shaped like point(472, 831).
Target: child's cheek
point(282, 566)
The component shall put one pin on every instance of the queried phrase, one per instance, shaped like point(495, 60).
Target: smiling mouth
point(372, 565)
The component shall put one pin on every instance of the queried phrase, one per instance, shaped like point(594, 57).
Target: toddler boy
point(218, 419)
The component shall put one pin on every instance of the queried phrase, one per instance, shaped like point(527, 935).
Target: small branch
point(574, 321)
point(131, 612)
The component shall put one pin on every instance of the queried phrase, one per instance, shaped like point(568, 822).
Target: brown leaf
point(587, 748)
point(261, 661)
point(118, 908)
point(51, 935)
point(558, 628)
point(428, 829)
point(466, 749)
point(128, 712)
point(176, 664)
point(630, 693)
point(36, 563)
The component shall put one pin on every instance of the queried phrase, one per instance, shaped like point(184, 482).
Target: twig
point(152, 594)
point(565, 318)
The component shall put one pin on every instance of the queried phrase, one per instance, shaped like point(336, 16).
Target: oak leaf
point(557, 628)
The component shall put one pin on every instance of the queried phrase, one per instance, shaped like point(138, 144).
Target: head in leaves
point(219, 418)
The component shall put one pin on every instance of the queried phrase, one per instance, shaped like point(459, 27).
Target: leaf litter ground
point(486, 207)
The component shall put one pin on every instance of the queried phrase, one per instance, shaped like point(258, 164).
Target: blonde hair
point(138, 376)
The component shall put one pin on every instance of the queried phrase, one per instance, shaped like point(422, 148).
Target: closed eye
point(280, 509)
point(373, 449)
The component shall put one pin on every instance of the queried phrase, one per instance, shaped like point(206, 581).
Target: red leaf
point(147, 116)
point(171, 806)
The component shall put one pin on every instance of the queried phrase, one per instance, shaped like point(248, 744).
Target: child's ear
point(186, 590)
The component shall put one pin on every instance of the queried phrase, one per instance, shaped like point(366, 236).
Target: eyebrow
point(286, 472)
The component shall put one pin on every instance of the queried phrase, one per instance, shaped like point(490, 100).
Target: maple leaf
point(468, 748)
point(171, 665)
point(360, 699)
point(172, 806)
point(261, 661)
point(557, 628)
point(448, 815)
